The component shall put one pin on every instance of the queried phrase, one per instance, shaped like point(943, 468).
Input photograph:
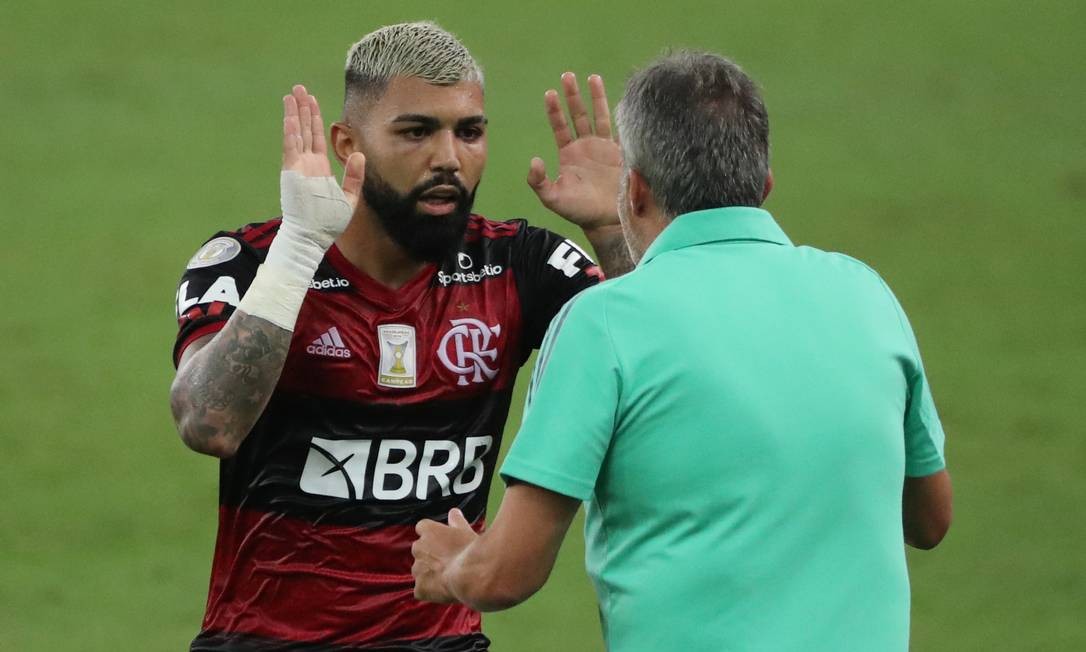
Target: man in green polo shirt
point(748, 421)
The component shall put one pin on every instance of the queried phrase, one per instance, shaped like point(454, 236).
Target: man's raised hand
point(305, 150)
point(585, 191)
point(315, 208)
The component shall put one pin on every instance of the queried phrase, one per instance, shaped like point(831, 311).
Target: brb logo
point(394, 469)
point(466, 350)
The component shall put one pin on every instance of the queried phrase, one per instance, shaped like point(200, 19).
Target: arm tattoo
point(221, 392)
point(613, 254)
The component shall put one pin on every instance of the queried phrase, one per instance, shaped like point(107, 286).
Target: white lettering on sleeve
point(183, 300)
point(565, 258)
point(223, 289)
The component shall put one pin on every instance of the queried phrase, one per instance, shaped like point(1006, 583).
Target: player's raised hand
point(313, 204)
point(585, 191)
point(305, 149)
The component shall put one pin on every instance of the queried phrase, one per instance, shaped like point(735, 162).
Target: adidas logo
point(330, 344)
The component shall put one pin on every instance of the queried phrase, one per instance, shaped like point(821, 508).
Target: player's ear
point(343, 142)
point(768, 184)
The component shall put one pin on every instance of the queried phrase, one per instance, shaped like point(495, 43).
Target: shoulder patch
point(217, 250)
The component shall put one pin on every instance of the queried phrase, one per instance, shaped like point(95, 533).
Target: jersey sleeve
point(573, 400)
point(924, 436)
point(550, 270)
point(211, 287)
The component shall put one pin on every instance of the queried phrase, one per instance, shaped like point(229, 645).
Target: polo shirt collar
point(735, 223)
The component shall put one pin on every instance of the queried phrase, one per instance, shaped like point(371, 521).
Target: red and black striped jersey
point(389, 409)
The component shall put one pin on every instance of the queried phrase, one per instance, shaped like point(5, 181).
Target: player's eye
point(415, 133)
point(470, 134)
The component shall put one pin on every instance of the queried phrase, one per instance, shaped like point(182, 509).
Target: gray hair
point(421, 49)
point(694, 126)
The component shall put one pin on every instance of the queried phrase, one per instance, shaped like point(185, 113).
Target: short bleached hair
point(421, 49)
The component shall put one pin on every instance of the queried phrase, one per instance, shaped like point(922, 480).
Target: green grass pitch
point(941, 142)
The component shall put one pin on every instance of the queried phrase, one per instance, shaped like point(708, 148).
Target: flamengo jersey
point(390, 409)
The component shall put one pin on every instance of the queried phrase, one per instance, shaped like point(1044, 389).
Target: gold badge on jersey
point(397, 344)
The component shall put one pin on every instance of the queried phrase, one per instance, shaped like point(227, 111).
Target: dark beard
point(422, 236)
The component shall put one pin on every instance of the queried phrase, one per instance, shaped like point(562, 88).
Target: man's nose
point(445, 156)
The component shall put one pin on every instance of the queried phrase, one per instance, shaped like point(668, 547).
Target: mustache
point(440, 179)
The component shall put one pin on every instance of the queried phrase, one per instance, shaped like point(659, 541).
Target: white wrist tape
point(315, 212)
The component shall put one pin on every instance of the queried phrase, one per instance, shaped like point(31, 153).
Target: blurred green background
point(941, 142)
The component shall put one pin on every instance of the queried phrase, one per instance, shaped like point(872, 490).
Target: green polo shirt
point(739, 414)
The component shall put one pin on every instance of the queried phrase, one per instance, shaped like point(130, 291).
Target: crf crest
point(469, 349)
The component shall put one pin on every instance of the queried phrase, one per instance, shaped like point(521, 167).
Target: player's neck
point(369, 248)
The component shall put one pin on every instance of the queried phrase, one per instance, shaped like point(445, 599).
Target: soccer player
point(749, 421)
point(352, 362)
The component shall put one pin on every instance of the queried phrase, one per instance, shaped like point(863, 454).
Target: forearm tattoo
point(613, 255)
point(220, 393)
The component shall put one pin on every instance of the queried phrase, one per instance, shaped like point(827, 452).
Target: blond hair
point(421, 49)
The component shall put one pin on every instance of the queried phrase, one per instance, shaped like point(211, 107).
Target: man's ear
point(343, 142)
point(639, 195)
point(768, 184)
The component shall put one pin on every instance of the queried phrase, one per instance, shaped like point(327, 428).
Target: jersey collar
point(374, 290)
point(734, 223)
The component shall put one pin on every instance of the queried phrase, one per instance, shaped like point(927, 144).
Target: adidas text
point(329, 344)
point(329, 351)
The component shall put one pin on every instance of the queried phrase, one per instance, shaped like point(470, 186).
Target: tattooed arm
point(224, 382)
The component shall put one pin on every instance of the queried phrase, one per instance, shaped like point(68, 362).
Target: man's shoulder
point(849, 265)
point(257, 235)
point(482, 228)
point(514, 231)
point(836, 257)
point(590, 305)
point(858, 278)
point(252, 239)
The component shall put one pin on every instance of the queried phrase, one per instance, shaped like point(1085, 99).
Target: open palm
point(589, 160)
point(304, 148)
